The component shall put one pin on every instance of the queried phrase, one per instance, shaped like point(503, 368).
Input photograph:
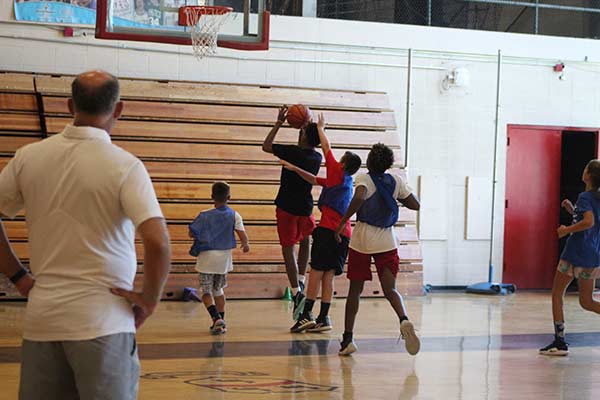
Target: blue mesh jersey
point(213, 230)
point(583, 248)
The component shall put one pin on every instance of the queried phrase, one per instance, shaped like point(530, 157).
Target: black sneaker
point(299, 300)
point(322, 325)
point(347, 347)
point(305, 322)
point(219, 327)
point(557, 348)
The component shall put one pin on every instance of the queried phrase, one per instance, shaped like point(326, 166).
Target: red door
point(532, 206)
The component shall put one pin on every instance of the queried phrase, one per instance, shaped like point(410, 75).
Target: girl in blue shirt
point(580, 258)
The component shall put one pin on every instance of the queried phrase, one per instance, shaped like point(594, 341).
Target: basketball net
point(205, 22)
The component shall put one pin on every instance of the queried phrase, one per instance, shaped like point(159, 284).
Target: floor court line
point(218, 348)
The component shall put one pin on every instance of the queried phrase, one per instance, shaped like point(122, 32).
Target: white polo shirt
point(83, 197)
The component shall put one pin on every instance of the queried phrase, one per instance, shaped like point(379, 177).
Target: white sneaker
point(348, 349)
point(411, 340)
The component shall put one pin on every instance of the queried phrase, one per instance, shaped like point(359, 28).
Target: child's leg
point(559, 286)
point(327, 286)
point(291, 265)
point(586, 298)
point(206, 287)
point(303, 255)
point(314, 283)
point(352, 302)
point(220, 302)
point(559, 347)
point(209, 303)
point(220, 283)
point(388, 284)
point(326, 297)
point(387, 268)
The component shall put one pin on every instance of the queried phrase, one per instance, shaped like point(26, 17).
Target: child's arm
point(568, 206)
point(244, 239)
point(411, 202)
point(307, 176)
point(357, 201)
point(586, 223)
point(268, 143)
point(325, 146)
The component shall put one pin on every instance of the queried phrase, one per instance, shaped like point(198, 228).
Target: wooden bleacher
point(191, 134)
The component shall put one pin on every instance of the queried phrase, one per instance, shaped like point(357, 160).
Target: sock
point(347, 336)
point(301, 278)
point(295, 291)
point(214, 314)
point(308, 306)
point(403, 318)
point(324, 310)
point(559, 329)
point(222, 314)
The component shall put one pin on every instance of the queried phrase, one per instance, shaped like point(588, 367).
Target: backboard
point(158, 21)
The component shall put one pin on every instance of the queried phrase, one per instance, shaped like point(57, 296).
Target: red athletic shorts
point(293, 228)
point(359, 264)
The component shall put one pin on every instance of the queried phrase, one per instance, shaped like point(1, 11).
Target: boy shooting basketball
point(375, 202)
point(327, 256)
point(295, 222)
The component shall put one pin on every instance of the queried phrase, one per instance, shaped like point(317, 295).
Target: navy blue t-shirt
point(295, 195)
point(583, 248)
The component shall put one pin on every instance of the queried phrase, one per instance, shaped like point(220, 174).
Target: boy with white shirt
point(213, 233)
point(375, 202)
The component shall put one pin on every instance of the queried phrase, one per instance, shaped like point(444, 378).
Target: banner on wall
point(161, 14)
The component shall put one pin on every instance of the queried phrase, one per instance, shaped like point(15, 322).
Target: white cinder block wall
point(451, 132)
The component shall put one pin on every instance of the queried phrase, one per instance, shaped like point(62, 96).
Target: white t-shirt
point(84, 197)
point(369, 239)
point(218, 261)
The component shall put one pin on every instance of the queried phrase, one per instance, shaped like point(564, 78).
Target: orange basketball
point(298, 115)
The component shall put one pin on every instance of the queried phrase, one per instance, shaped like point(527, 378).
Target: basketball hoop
point(204, 23)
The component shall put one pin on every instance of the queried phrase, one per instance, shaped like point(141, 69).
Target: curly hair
point(312, 135)
point(380, 158)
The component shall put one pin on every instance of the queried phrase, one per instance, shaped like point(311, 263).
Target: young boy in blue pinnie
point(213, 234)
point(375, 201)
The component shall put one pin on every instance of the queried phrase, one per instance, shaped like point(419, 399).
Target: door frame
point(595, 130)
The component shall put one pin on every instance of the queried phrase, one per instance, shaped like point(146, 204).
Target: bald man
point(84, 199)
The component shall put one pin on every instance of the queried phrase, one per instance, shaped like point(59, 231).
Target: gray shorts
point(212, 283)
point(104, 368)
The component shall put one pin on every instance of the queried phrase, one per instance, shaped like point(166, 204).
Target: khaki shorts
point(578, 272)
point(104, 368)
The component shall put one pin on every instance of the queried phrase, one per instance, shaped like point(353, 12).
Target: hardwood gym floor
point(473, 347)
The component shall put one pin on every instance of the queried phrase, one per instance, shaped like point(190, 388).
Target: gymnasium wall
point(451, 131)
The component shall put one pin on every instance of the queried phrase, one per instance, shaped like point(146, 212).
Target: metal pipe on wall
point(408, 107)
point(494, 172)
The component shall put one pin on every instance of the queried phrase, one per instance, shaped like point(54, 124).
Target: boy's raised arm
point(268, 143)
point(325, 145)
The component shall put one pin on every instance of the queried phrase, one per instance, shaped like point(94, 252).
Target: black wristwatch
point(16, 277)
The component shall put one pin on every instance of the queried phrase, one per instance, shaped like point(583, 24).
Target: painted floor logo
point(240, 382)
